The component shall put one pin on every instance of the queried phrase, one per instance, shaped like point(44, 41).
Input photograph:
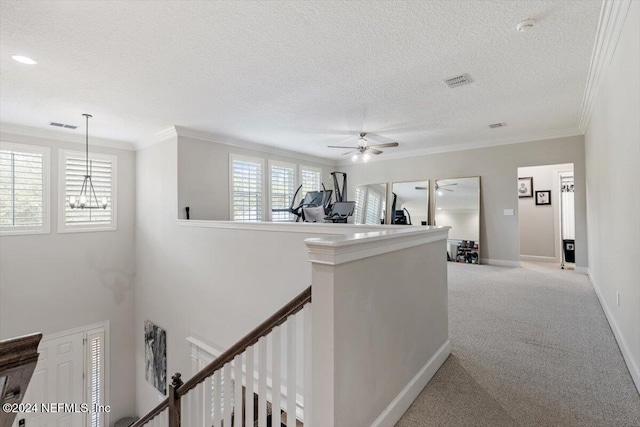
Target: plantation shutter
point(247, 190)
point(282, 189)
point(101, 171)
point(22, 189)
point(358, 212)
point(310, 180)
point(374, 204)
point(95, 381)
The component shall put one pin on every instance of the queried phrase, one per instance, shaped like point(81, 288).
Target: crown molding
point(610, 24)
point(205, 136)
point(57, 135)
point(564, 133)
point(160, 136)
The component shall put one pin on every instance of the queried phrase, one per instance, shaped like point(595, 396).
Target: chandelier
point(87, 195)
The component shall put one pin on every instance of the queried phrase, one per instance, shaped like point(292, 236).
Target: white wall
point(211, 283)
point(203, 175)
point(497, 168)
point(55, 282)
point(613, 191)
point(464, 225)
point(540, 224)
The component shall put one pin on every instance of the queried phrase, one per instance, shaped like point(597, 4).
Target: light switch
point(508, 212)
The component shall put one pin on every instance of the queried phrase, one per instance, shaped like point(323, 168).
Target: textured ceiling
point(299, 75)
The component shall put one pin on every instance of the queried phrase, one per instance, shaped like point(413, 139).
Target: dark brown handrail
point(277, 319)
point(153, 413)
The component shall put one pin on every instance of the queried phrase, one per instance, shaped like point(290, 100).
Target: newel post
point(174, 401)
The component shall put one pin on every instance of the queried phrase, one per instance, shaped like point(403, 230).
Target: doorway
point(71, 369)
point(546, 214)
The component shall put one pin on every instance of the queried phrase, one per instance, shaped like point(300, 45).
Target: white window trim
point(62, 199)
point(46, 192)
point(241, 157)
point(296, 181)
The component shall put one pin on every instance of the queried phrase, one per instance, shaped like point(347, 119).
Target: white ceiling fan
point(363, 149)
point(439, 187)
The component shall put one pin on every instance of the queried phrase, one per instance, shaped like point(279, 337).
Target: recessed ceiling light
point(24, 60)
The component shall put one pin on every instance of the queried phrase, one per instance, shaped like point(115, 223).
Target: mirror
point(458, 206)
point(410, 203)
point(371, 204)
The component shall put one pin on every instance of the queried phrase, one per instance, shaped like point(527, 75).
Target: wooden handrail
point(178, 389)
point(153, 413)
point(18, 359)
point(278, 318)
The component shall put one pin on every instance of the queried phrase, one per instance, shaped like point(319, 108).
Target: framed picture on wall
point(543, 197)
point(525, 187)
point(155, 356)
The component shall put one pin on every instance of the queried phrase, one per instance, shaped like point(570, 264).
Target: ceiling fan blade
point(341, 146)
point(348, 152)
point(447, 185)
point(374, 151)
point(421, 188)
point(445, 189)
point(385, 145)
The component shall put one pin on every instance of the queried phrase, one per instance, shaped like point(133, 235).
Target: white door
point(57, 378)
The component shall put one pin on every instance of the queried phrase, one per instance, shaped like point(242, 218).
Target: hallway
point(531, 346)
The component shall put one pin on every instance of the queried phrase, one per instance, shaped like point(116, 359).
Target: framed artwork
point(543, 197)
point(155, 356)
point(525, 187)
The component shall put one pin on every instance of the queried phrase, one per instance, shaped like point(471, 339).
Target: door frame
point(104, 326)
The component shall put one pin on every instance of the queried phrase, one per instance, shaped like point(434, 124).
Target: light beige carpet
point(531, 347)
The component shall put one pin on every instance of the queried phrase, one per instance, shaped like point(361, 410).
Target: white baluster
point(248, 420)
point(237, 399)
point(291, 371)
point(276, 345)
point(262, 382)
point(207, 402)
point(199, 406)
point(228, 392)
point(306, 379)
point(217, 399)
point(185, 403)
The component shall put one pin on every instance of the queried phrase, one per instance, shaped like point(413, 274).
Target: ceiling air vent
point(62, 125)
point(461, 80)
point(497, 125)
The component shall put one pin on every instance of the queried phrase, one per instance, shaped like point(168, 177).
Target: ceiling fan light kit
point(363, 150)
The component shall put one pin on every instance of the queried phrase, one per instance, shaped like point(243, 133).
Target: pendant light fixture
point(87, 198)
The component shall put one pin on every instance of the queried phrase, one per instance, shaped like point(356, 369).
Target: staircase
point(217, 395)
point(18, 358)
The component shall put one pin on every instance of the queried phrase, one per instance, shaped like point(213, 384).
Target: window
point(311, 179)
point(358, 213)
point(95, 376)
point(24, 189)
point(374, 207)
point(73, 169)
point(247, 188)
point(282, 184)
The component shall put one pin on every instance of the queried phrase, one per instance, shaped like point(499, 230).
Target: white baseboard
point(622, 343)
point(500, 262)
point(583, 270)
point(396, 409)
point(538, 258)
